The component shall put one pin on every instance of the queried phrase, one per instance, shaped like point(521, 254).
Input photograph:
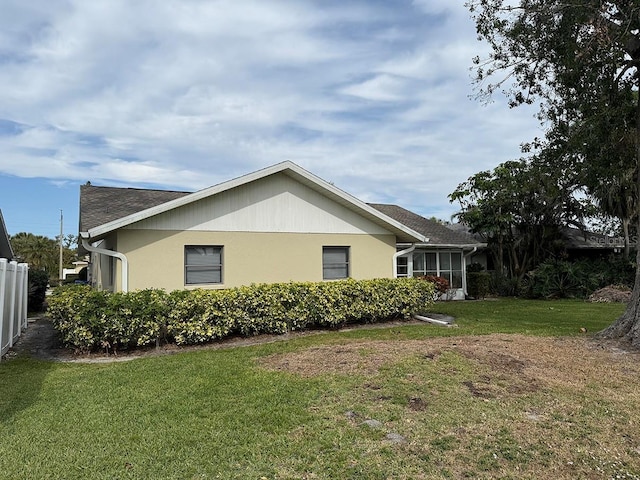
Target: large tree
point(518, 208)
point(580, 61)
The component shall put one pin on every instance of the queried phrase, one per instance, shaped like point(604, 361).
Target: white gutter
point(398, 254)
point(111, 253)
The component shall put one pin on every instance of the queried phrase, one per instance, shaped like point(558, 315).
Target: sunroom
point(449, 264)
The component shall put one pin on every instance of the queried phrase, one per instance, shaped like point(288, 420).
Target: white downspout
point(464, 264)
point(399, 254)
point(111, 253)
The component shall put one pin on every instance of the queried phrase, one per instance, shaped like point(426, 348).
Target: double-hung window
point(335, 263)
point(202, 264)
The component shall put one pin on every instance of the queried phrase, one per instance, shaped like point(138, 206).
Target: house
point(278, 224)
point(5, 245)
point(74, 272)
point(581, 243)
point(446, 254)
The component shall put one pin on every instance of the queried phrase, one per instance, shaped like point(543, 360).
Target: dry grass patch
point(553, 361)
point(493, 406)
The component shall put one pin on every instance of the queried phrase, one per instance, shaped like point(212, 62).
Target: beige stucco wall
point(156, 257)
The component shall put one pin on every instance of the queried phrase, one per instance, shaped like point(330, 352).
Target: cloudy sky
point(372, 95)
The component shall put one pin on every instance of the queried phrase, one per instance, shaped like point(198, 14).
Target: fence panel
point(14, 288)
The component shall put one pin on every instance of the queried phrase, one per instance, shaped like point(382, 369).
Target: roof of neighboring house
point(439, 235)
point(106, 209)
point(583, 240)
point(5, 245)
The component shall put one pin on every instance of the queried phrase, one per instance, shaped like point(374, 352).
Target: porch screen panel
point(456, 270)
point(419, 267)
point(425, 263)
point(432, 265)
point(451, 268)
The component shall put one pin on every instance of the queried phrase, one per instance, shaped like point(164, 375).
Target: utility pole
point(60, 271)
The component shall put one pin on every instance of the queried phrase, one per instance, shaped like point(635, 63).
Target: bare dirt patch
point(528, 361)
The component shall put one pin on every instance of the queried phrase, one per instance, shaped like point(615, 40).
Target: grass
point(520, 404)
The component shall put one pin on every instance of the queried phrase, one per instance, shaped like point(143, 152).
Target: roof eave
point(453, 245)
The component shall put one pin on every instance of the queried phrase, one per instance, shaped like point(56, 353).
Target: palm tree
point(40, 252)
point(619, 199)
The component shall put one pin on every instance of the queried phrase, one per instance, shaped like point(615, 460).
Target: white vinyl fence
point(14, 292)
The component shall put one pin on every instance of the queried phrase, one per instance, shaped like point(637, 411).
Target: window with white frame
point(202, 264)
point(402, 269)
point(335, 263)
point(440, 264)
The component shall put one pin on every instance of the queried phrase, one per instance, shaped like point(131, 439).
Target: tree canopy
point(43, 253)
point(579, 60)
point(518, 208)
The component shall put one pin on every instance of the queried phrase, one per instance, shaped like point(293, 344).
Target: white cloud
point(185, 93)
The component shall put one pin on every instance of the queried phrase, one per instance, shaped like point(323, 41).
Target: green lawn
point(223, 414)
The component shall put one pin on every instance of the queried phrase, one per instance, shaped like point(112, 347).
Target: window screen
point(335, 262)
point(202, 264)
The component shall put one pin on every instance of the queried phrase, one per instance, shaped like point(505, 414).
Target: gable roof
point(439, 235)
point(5, 245)
point(98, 217)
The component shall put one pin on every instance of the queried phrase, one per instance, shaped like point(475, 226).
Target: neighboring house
point(5, 245)
point(75, 271)
point(579, 243)
point(446, 254)
point(278, 224)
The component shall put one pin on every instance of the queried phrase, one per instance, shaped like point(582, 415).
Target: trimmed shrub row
point(89, 319)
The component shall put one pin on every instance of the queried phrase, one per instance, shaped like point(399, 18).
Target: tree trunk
point(625, 229)
point(627, 327)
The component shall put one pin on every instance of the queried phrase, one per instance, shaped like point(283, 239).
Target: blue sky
point(373, 96)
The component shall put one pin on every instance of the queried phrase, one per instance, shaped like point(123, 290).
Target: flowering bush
point(440, 285)
point(88, 319)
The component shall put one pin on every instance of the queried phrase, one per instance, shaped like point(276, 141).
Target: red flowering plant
point(441, 285)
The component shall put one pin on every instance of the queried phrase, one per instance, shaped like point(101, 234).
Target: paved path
point(40, 340)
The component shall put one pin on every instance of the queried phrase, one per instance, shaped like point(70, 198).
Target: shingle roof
point(438, 234)
point(5, 245)
point(582, 240)
point(100, 205)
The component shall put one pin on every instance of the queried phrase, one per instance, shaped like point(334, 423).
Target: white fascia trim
point(452, 245)
point(317, 182)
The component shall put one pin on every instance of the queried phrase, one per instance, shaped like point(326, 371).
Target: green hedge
point(88, 319)
point(478, 284)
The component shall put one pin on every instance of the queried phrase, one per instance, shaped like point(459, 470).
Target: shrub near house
point(89, 319)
